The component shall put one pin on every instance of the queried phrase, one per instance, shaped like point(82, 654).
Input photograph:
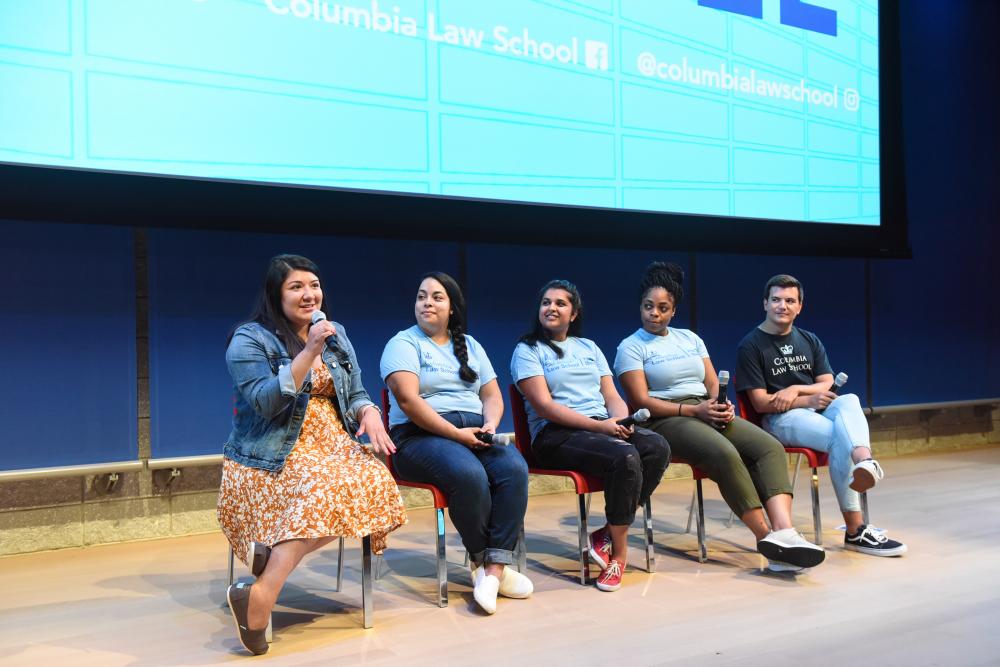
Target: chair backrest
point(522, 434)
point(385, 422)
point(747, 410)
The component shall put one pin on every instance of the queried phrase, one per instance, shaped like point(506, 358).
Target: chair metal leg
point(582, 535)
point(366, 580)
point(817, 522)
point(702, 551)
point(522, 551)
point(864, 508)
point(795, 473)
point(647, 522)
point(694, 490)
point(588, 504)
point(232, 565)
point(442, 562)
point(340, 565)
point(467, 559)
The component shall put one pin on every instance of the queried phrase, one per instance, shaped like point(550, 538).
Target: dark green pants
point(748, 464)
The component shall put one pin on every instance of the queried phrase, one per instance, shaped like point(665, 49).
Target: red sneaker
point(611, 578)
point(600, 547)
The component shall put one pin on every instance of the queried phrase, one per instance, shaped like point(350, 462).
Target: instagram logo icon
point(595, 54)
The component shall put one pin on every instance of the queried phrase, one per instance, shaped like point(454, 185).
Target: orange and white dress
point(329, 486)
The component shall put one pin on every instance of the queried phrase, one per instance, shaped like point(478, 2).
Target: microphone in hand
point(640, 415)
point(333, 344)
point(503, 439)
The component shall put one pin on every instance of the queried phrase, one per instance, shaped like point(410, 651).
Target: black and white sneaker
point(872, 541)
point(787, 546)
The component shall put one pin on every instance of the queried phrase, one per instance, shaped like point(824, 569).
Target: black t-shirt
point(766, 361)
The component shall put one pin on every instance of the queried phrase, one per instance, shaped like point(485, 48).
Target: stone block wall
point(39, 515)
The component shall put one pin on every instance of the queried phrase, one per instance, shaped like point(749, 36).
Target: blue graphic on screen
point(748, 108)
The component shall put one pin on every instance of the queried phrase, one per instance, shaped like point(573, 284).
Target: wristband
point(680, 406)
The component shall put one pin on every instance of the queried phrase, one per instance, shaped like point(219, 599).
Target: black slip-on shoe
point(238, 597)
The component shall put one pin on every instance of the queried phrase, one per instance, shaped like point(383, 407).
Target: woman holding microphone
point(295, 474)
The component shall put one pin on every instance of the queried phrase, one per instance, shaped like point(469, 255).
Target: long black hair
point(456, 323)
point(538, 333)
point(667, 275)
point(267, 310)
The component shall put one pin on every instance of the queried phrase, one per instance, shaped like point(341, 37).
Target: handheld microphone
point(723, 387)
point(722, 398)
point(503, 439)
point(331, 342)
point(641, 415)
point(838, 382)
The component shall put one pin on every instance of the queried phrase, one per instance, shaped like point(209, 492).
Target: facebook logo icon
point(795, 13)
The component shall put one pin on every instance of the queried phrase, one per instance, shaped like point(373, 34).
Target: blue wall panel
point(936, 319)
point(203, 283)
point(68, 332)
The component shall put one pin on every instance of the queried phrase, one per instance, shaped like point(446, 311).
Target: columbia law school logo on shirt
point(786, 349)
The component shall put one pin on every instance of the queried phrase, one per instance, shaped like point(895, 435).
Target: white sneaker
point(485, 591)
point(778, 566)
point(787, 546)
point(866, 474)
point(513, 584)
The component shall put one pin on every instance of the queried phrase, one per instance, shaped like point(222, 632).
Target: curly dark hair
point(667, 275)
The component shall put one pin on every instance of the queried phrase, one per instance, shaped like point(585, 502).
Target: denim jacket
point(269, 409)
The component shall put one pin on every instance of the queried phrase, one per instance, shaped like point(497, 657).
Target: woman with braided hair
point(443, 393)
point(668, 372)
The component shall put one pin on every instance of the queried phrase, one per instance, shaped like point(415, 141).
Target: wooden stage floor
point(163, 602)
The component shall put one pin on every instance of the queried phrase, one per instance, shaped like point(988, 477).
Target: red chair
point(440, 504)
point(583, 484)
point(814, 458)
point(697, 500)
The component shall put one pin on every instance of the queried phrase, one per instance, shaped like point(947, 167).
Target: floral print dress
point(330, 485)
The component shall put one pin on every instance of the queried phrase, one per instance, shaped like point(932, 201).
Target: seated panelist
point(444, 393)
point(295, 474)
point(573, 410)
point(787, 377)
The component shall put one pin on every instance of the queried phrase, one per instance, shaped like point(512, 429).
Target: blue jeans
point(487, 488)
point(838, 430)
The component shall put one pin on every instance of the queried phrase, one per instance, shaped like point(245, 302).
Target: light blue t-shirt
point(437, 367)
point(574, 380)
point(674, 364)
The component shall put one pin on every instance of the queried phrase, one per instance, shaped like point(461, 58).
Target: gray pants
point(747, 463)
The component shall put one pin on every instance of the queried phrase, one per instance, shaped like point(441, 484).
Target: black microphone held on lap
point(723, 387)
point(640, 415)
point(838, 382)
point(496, 438)
point(722, 397)
point(334, 345)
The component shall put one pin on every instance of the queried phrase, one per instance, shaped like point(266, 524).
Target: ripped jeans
point(838, 430)
point(630, 470)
